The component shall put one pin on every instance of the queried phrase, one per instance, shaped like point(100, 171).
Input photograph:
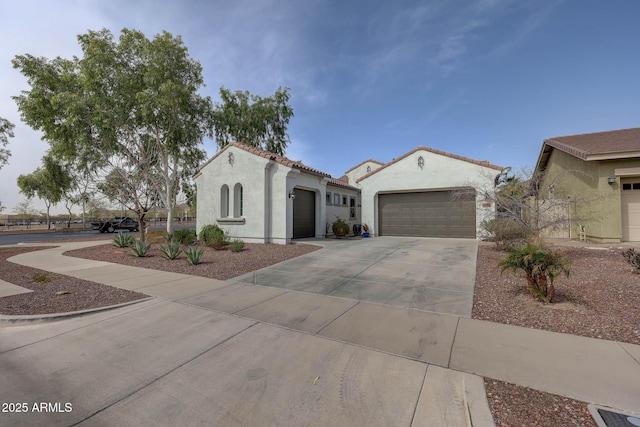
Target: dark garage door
point(304, 214)
point(427, 214)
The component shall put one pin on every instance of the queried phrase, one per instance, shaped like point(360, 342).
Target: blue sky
point(486, 79)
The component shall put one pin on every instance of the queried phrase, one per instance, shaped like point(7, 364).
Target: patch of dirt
point(216, 264)
point(53, 293)
point(516, 406)
point(600, 299)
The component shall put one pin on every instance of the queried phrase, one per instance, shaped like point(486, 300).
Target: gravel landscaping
point(599, 300)
point(53, 293)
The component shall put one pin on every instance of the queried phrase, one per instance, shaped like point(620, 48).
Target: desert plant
point(506, 232)
point(122, 240)
point(194, 255)
point(172, 250)
point(41, 278)
point(236, 246)
point(140, 248)
point(340, 227)
point(214, 236)
point(185, 236)
point(541, 266)
point(632, 257)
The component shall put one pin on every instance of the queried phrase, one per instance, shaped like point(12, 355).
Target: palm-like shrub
point(541, 266)
point(172, 250)
point(122, 240)
point(140, 248)
point(194, 255)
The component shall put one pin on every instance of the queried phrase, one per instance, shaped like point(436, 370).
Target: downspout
point(268, 202)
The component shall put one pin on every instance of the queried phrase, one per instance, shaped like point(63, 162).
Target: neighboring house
point(599, 176)
point(261, 197)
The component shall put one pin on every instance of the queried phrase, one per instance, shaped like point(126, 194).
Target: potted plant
point(340, 227)
point(365, 230)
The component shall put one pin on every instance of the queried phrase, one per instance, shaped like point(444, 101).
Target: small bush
point(214, 236)
point(632, 257)
point(506, 232)
point(236, 246)
point(41, 278)
point(140, 248)
point(172, 250)
point(122, 240)
point(194, 255)
point(185, 236)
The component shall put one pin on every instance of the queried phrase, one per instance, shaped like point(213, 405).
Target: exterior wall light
point(292, 195)
point(231, 160)
point(611, 180)
point(421, 162)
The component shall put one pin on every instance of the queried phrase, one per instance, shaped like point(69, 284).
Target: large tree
point(49, 183)
point(6, 132)
point(128, 108)
point(251, 119)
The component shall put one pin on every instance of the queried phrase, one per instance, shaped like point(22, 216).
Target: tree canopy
point(6, 132)
point(251, 119)
point(129, 108)
point(49, 183)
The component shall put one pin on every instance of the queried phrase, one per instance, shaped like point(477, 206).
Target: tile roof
point(267, 155)
point(484, 163)
point(342, 183)
point(602, 144)
point(362, 163)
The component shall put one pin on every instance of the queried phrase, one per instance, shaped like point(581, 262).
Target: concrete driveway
point(422, 273)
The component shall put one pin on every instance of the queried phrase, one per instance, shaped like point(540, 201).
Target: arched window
point(237, 201)
point(224, 201)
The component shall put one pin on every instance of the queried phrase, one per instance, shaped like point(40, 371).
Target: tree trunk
point(170, 207)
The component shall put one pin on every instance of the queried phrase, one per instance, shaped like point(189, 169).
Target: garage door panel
point(304, 214)
point(427, 214)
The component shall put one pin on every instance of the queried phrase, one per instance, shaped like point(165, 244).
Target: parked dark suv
point(117, 223)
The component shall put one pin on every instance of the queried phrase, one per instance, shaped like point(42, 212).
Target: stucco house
point(261, 197)
point(599, 175)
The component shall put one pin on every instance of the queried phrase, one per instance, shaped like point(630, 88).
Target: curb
point(33, 318)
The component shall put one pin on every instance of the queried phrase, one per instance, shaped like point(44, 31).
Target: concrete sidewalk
point(591, 370)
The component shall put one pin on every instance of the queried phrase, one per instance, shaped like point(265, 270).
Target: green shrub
point(122, 240)
point(214, 236)
point(140, 248)
point(185, 236)
point(172, 250)
point(41, 278)
point(194, 255)
point(236, 246)
point(541, 266)
point(506, 232)
point(340, 227)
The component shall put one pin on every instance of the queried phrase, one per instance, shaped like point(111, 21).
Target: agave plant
point(122, 240)
point(194, 255)
point(541, 266)
point(172, 250)
point(140, 248)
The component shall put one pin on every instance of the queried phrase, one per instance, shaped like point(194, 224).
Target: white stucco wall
point(439, 172)
point(361, 171)
point(340, 210)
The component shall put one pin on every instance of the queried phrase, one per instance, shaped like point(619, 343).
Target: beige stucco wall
point(594, 203)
